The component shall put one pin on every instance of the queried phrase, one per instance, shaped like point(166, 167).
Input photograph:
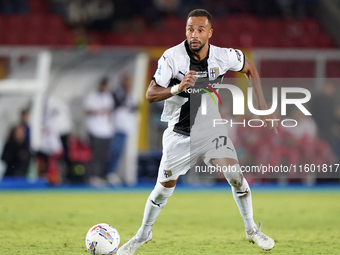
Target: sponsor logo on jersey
point(159, 70)
point(206, 90)
point(201, 74)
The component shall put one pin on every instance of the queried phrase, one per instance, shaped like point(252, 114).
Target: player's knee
point(236, 181)
point(234, 176)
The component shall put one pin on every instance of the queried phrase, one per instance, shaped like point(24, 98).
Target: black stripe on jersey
point(173, 81)
point(187, 115)
point(244, 62)
point(190, 108)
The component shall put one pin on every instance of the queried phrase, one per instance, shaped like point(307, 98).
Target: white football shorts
point(180, 153)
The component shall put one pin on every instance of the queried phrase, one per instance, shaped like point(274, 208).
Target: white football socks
point(155, 203)
point(242, 195)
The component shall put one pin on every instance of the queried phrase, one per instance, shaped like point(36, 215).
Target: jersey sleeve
point(164, 72)
point(235, 59)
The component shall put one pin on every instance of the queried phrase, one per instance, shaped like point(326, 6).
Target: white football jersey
point(181, 111)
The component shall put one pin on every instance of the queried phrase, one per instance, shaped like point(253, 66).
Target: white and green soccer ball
point(102, 239)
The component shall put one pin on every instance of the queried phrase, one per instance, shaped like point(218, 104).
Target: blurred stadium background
point(54, 52)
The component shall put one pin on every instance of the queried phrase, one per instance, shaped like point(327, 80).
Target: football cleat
point(133, 245)
point(255, 235)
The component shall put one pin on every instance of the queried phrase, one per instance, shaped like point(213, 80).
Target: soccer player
point(190, 64)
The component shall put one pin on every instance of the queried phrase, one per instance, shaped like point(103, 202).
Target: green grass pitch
point(191, 223)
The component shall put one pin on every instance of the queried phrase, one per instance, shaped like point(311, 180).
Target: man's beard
point(198, 49)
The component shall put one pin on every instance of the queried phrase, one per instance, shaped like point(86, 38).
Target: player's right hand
point(188, 80)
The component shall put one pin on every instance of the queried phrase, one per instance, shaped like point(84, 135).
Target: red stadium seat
point(3, 30)
point(95, 37)
point(266, 41)
point(174, 24)
point(16, 22)
point(311, 27)
point(169, 39)
point(36, 22)
point(249, 23)
point(223, 40)
point(38, 6)
point(233, 23)
point(273, 26)
point(51, 39)
point(111, 39)
point(147, 38)
point(127, 39)
point(333, 69)
point(220, 26)
point(287, 42)
point(324, 41)
point(32, 37)
point(246, 40)
point(13, 38)
point(55, 23)
point(307, 41)
point(68, 38)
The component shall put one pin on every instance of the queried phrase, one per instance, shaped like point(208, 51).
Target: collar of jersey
point(192, 59)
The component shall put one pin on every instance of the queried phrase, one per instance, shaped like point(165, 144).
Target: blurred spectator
point(24, 121)
point(167, 7)
point(335, 143)
point(306, 128)
point(286, 7)
point(57, 126)
point(61, 120)
point(50, 145)
point(99, 106)
point(100, 14)
point(16, 152)
point(160, 9)
point(92, 14)
point(323, 107)
point(125, 123)
point(76, 13)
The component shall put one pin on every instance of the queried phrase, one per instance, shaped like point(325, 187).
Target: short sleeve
point(163, 73)
point(236, 60)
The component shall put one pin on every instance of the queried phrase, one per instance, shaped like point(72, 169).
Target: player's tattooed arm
point(156, 93)
point(254, 80)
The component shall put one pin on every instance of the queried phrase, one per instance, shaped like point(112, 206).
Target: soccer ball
point(102, 239)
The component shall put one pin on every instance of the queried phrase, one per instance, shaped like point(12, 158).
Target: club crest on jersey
point(167, 173)
point(214, 72)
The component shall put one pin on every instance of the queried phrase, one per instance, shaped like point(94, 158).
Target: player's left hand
point(269, 119)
